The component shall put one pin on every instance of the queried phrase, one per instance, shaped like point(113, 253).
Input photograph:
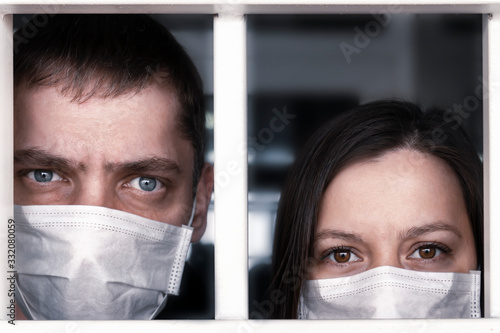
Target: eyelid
point(134, 183)
point(440, 246)
point(325, 254)
point(31, 175)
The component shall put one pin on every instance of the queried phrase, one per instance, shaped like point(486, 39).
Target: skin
point(404, 209)
point(97, 152)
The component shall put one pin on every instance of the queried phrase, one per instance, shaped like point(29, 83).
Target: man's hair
point(105, 56)
point(365, 132)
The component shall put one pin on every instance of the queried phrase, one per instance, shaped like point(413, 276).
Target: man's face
point(125, 153)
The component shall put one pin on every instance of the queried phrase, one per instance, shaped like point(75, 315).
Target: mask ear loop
point(192, 212)
point(165, 297)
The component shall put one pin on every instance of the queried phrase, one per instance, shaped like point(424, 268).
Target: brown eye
point(342, 256)
point(427, 252)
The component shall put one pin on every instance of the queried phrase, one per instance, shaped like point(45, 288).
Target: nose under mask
point(88, 262)
point(390, 292)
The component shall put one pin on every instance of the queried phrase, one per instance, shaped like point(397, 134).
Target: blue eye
point(147, 184)
point(43, 176)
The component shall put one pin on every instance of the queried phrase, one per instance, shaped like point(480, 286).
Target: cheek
point(27, 192)
point(26, 197)
point(313, 270)
point(172, 208)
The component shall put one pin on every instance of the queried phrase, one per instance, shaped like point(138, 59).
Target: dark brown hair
point(101, 55)
point(365, 132)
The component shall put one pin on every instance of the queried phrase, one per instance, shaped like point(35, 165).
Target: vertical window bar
point(491, 60)
point(6, 147)
point(230, 149)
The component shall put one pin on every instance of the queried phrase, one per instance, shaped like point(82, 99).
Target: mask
point(390, 292)
point(89, 262)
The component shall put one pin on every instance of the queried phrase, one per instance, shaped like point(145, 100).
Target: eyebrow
point(410, 233)
point(331, 233)
point(429, 228)
point(39, 157)
point(36, 157)
point(149, 164)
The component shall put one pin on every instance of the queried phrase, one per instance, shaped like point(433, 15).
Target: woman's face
point(403, 209)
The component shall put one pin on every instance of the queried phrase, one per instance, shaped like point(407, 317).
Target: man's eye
point(146, 184)
point(342, 256)
point(43, 176)
point(427, 252)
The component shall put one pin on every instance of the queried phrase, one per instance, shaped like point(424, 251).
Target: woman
point(382, 197)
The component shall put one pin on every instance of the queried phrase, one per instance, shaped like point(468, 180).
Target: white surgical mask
point(89, 262)
point(390, 292)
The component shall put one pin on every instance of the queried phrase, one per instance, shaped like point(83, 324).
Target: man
point(109, 134)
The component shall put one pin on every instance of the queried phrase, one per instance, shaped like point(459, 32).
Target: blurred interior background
point(310, 68)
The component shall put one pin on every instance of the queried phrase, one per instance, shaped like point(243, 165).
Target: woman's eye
point(43, 176)
point(147, 184)
point(426, 252)
point(342, 256)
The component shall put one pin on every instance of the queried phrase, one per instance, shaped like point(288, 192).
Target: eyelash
point(445, 249)
point(25, 172)
point(160, 182)
point(442, 247)
point(325, 254)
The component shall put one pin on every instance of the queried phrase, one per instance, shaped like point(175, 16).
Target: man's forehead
point(137, 125)
point(148, 102)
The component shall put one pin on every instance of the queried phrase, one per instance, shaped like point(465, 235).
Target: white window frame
point(230, 114)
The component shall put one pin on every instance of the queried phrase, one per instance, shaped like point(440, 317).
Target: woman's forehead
point(403, 188)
